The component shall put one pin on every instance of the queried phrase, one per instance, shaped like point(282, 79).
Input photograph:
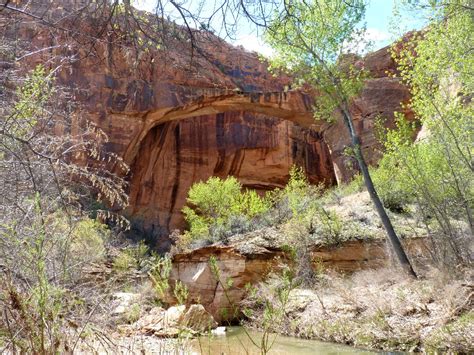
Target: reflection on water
point(236, 342)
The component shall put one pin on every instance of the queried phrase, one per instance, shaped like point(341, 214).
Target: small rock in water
point(219, 331)
point(198, 319)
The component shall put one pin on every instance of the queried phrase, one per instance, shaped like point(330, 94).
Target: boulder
point(152, 322)
point(298, 300)
point(174, 321)
point(122, 301)
point(197, 319)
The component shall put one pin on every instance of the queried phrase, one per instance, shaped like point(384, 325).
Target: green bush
point(88, 240)
point(331, 226)
point(180, 292)
point(133, 313)
point(215, 205)
point(159, 274)
point(393, 192)
point(124, 261)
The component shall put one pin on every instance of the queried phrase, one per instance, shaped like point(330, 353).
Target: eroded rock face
point(250, 258)
point(177, 116)
point(381, 96)
point(379, 99)
point(194, 271)
point(256, 149)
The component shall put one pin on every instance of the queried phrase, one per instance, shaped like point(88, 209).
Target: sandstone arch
point(294, 106)
point(257, 149)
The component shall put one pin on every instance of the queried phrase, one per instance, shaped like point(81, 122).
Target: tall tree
point(309, 38)
point(437, 172)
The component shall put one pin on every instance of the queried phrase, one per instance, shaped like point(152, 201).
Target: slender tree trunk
point(392, 235)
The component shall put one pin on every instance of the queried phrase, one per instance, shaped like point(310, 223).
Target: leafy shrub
point(160, 274)
point(180, 292)
point(88, 238)
point(133, 256)
point(296, 191)
point(133, 313)
point(218, 206)
point(331, 226)
point(124, 261)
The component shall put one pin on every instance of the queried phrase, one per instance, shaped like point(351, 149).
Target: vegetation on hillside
point(61, 257)
point(47, 235)
point(436, 172)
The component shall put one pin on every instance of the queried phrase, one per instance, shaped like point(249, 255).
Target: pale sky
point(382, 28)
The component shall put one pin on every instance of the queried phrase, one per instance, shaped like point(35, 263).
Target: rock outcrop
point(250, 258)
point(178, 116)
point(194, 320)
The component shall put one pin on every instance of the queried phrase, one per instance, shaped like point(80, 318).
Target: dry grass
point(383, 309)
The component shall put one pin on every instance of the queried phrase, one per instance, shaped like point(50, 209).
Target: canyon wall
point(257, 149)
point(177, 115)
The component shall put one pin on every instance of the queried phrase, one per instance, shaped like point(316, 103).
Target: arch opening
point(257, 149)
point(293, 106)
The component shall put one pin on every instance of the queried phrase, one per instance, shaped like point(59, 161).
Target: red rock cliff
point(177, 117)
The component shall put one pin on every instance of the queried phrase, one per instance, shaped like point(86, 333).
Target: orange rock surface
point(256, 254)
point(178, 116)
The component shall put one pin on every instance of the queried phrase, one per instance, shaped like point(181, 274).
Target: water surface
point(237, 342)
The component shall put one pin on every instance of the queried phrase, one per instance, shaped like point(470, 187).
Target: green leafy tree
point(309, 37)
point(437, 171)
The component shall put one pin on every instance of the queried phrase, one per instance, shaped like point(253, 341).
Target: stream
point(236, 342)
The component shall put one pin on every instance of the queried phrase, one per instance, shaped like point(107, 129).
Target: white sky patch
point(371, 40)
point(253, 43)
point(377, 36)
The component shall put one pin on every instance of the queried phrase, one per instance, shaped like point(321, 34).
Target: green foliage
point(180, 292)
point(132, 257)
point(296, 191)
point(250, 204)
point(215, 198)
point(88, 240)
point(437, 171)
point(331, 226)
point(160, 274)
point(37, 311)
point(124, 261)
point(133, 313)
point(216, 202)
point(309, 39)
point(32, 98)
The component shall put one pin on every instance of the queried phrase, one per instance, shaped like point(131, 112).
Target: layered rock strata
point(250, 259)
point(178, 115)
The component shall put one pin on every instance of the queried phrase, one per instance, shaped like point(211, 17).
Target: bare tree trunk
point(392, 235)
